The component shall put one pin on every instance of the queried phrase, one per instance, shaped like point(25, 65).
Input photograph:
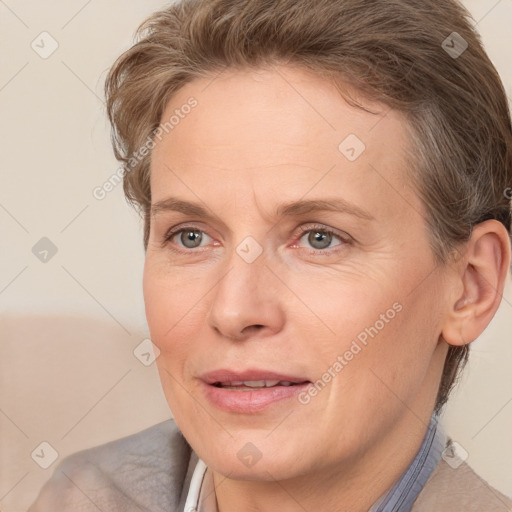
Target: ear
point(481, 274)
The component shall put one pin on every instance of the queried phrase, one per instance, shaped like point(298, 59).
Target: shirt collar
point(201, 494)
point(403, 494)
point(400, 498)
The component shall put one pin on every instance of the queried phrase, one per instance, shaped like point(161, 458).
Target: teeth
point(255, 383)
point(260, 383)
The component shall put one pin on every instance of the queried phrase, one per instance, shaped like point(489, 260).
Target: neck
point(354, 485)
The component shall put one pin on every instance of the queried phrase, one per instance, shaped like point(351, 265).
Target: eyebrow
point(294, 208)
point(337, 205)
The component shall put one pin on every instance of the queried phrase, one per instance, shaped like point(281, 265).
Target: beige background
point(68, 327)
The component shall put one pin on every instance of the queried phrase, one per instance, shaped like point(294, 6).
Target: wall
point(70, 324)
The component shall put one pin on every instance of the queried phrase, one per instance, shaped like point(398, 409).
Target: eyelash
point(344, 239)
point(302, 230)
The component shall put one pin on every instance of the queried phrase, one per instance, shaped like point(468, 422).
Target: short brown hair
point(401, 53)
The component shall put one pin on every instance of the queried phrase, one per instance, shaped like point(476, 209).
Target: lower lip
point(250, 401)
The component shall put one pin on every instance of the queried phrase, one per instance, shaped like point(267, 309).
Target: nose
point(246, 300)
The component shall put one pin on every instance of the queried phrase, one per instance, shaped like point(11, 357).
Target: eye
point(188, 237)
point(321, 238)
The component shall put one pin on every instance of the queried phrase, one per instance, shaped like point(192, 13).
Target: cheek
point(173, 299)
point(169, 295)
point(340, 311)
point(172, 304)
point(395, 357)
point(377, 338)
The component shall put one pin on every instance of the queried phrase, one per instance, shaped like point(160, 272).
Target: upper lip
point(225, 376)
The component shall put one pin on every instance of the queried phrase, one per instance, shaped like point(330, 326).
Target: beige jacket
point(151, 471)
point(460, 489)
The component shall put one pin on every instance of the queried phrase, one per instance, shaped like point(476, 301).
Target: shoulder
point(144, 471)
point(459, 490)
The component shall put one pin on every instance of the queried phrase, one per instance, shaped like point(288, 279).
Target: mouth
point(251, 385)
point(251, 391)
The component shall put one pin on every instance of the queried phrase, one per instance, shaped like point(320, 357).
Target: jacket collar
point(198, 493)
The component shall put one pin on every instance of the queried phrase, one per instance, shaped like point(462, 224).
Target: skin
point(256, 140)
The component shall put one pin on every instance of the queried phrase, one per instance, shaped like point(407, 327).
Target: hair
point(396, 52)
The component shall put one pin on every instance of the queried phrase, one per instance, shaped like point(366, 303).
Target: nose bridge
point(245, 296)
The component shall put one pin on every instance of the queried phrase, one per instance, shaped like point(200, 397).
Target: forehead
point(278, 128)
point(269, 98)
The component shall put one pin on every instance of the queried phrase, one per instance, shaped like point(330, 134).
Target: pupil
point(319, 240)
point(191, 238)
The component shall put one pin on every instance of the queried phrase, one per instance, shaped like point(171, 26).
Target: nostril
point(252, 328)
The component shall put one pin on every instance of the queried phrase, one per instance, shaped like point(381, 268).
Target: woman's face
point(287, 246)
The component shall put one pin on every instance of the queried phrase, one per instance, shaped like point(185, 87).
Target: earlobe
point(481, 276)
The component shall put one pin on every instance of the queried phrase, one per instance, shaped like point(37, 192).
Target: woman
point(326, 231)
